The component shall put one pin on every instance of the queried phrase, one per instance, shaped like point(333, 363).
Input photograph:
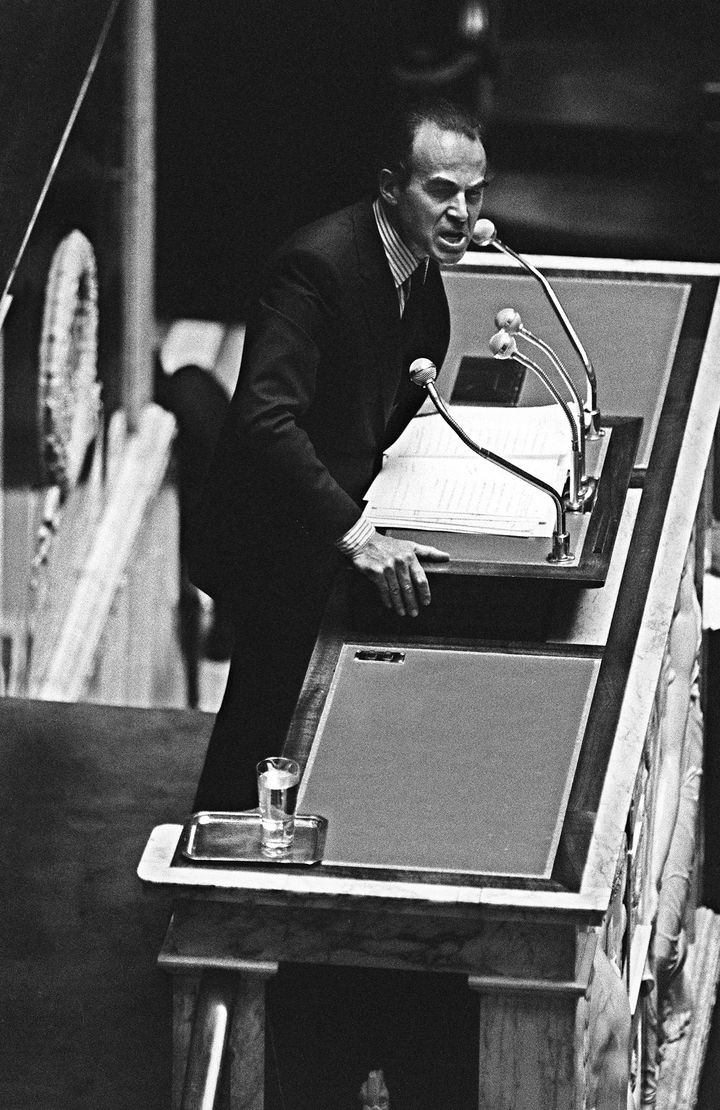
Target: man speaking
point(345, 306)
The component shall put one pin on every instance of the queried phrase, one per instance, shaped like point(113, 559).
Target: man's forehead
point(445, 154)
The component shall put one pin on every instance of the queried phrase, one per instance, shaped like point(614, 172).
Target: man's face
point(436, 211)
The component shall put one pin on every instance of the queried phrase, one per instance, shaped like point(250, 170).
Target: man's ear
point(389, 186)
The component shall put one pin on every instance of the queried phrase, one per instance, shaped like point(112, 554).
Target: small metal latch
point(376, 655)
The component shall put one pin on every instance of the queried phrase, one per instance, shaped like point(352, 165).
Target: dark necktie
point(413, 283)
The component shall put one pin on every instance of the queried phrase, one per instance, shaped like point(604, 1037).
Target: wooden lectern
point(491, 772)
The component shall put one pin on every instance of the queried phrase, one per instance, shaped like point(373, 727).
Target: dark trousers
point(276, 626)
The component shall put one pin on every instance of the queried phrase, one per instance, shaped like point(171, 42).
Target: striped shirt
point(402, 263)
point(401, 260)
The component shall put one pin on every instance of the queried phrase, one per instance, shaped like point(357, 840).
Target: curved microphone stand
point(509, 319)
point(582, 489)
point(485, 235)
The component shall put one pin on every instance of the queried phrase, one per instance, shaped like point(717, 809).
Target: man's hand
point(393, 566)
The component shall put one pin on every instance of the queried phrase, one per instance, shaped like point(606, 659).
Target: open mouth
point(454, 240)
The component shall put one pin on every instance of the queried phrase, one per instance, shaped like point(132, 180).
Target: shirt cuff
point(356, 538)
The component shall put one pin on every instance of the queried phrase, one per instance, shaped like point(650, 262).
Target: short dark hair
point(397, 135)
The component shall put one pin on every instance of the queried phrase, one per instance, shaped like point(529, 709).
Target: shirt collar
point(401, 259)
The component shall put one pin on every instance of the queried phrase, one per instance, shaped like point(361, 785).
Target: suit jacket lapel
point(379, 303)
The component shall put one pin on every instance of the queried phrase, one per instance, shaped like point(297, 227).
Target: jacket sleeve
point(291, 331)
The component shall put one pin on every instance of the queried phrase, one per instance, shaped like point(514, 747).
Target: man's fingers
point(384, 591)
point(402, 595)
point(408, 587)
point(434, 554)
point(393, 565)
point(422, 586)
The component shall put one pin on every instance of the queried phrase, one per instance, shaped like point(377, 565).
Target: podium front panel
point(448, 759)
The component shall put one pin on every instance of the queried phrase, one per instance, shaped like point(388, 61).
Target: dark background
point(599, 120)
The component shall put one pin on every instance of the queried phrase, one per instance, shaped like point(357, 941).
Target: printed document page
point(431, 480)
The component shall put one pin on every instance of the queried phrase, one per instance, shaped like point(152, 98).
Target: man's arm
point(275, 392)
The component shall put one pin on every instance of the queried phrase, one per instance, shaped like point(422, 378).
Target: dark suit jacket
point(323, 390)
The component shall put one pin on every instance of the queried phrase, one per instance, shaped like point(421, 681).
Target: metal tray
point(235, 838)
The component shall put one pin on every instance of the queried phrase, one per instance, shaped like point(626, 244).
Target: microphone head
point(422, 371)
point(484, 232)
point(503, 345)
point(508, 319)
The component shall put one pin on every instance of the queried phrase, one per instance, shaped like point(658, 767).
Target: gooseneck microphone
point(509, 319)
point(423, 373)
point(503, 345)
point(485, 235)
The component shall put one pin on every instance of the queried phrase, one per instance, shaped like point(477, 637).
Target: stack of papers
point(431, 480)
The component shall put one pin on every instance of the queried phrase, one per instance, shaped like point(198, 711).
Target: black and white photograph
point(359, 555)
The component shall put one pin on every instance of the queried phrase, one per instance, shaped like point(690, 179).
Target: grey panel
point(448, 760)
point(629, 328)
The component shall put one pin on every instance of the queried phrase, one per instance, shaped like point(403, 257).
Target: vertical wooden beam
point(138, 202)
point(185, 990)
point(246, 1045)
point(211, 1027)
point(527, 1051)
point(218, 1028)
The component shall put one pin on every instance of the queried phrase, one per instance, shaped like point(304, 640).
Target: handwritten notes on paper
point(431, 480)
